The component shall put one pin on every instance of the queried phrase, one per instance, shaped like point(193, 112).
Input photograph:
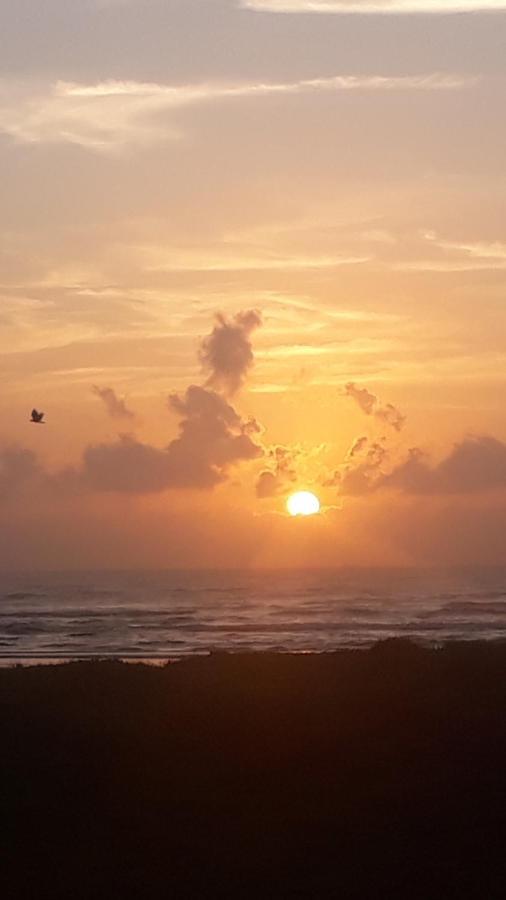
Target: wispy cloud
point(428, 265)
point(370, 405)
point(457, 256)
point(483, 250)
point(185, 94)
point(115, 406)
point(190, 263)
point(111, 115)
point(391, 7)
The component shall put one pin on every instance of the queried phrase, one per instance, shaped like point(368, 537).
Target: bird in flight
point(37, 417)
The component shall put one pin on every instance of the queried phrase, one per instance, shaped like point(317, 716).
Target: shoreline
point(162, 660)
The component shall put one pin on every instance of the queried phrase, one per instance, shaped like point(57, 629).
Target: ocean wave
point(165, 615)
point(466, 607)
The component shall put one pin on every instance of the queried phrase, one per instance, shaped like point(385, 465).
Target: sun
point(303, 503)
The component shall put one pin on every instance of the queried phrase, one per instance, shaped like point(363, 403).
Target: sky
point(249, 247)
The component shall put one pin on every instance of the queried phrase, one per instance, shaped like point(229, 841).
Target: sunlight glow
point(303, 503)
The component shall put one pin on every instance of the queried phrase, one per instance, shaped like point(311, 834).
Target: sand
point(361, 774)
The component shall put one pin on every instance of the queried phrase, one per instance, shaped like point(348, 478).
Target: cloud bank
point(212, 437)
point(475, 465)
point(19, 471)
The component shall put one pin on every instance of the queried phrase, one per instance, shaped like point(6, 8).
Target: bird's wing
point(34, 414)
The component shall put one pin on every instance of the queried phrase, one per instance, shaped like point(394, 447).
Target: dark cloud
point(127, 466)
point(361, 474)
point(116, 407)
point(391, 416)
point(212, 435)
point(226, 354)
point(448, 531)
point(358, 446)
point(476, 464)
point(371, 406)
point(19, 469)
point(275, 481)
point(212, 438)
point(364, 399)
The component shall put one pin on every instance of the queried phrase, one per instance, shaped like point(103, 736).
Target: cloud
point(364, 399)
point(362, 468)
point(484, 250)
point(374, 6)
point(458, 256)
point(212, 439)
point(277, 480)
point(126, 466)
point(104, 122)
point(370, 405)
point(115, 406)
point(358, 446)
point(246, 262)
point(19, 470)
point(227, 353)
point(391, 416)
point(108, 116)
point(474, 465)
point(178, 96)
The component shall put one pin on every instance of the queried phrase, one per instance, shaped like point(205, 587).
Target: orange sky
point(332, 186)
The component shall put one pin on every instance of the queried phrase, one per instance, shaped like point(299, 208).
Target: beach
point(356, 774)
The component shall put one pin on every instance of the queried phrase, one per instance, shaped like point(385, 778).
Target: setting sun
point(303, 503)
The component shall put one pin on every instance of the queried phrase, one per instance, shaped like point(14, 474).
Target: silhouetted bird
point(37, 417)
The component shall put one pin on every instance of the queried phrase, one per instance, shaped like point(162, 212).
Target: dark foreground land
point(370, 774)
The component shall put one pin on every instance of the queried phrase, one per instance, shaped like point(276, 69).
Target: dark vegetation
point(368, 774)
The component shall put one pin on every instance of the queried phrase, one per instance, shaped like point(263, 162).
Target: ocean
point(168, 615)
